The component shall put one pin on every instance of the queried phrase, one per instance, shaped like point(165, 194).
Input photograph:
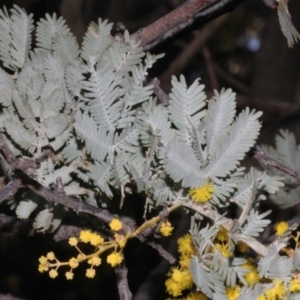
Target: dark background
point(248, 53)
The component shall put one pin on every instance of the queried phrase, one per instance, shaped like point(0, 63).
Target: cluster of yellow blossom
point(179, 278)
point(86, 236)
point(233, 293)
point(279, 290)
point(203, 193)
point(51, 264)
point(221, 243)
point(115, 225)
point(252, 276)
point(281, 228)
point(114, 259)
point(166, 228)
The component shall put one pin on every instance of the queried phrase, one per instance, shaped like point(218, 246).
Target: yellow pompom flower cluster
point(86, 236)
point(179, 278)
point(203, 193)
point(233, 293)
point(277, 291)
point(166, 228)
point(51, 264)
point(281, 228)
point(252, 275)
point(115, 225)
point(114, 259)
point(186, 249)
point(295, 285)
point(221, 242)
point(101, 246)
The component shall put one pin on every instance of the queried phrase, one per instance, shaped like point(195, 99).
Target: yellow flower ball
point(186, 245)
point(114, 259)
point(233, 293)
point(50, 256)
point(69, 275)
point(281, 228)
point(90, 273)
point(43, 268)
point(203, 193)
point(173, 288)
point(73, 241)
point(166, 228)
point(295, 285)
point(43, 260)
point(96, 239)
point(53, 273)
point(94, 261)
point(115, 225)
point(73, 263)
point(85, 236)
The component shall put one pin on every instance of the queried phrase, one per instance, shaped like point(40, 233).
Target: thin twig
point(260, 155)
point(178, 16)
point(162, 252)
point(73, 203)
point(162, 96)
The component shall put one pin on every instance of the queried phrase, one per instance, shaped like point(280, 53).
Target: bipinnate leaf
point(25, 208)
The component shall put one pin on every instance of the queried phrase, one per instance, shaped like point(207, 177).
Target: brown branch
point(64, 232)
point(192, 13)
point(8, 155)
point(76, 204)
point(122, 281)
point(162, 252)
point(22, 164)
point(180, 15)
point(10, 189)
point(260, 155)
